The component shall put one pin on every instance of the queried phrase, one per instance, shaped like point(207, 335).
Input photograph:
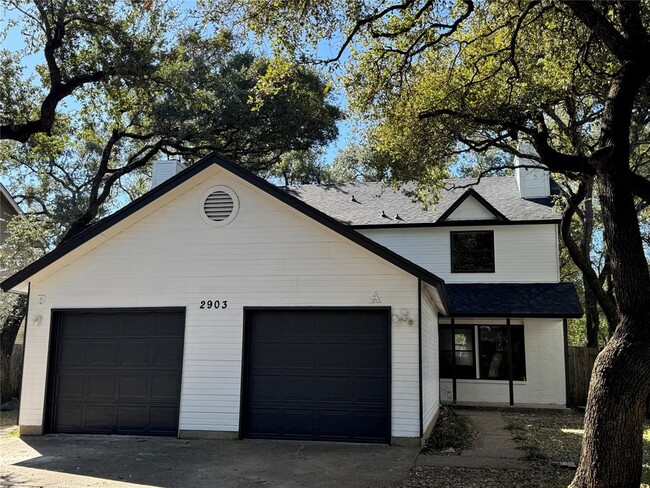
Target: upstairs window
point(472, 252)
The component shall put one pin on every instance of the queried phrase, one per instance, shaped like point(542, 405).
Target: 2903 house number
point(214, 304)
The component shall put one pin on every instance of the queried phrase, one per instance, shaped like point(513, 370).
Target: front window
point(493, 352)
point(459, 355)
point(472, 252)
point(458, 344)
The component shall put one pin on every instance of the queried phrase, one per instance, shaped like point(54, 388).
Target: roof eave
point(458, 223)
point(10, 199)
point(214, 158)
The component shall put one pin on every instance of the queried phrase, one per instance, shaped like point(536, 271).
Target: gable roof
point(541, 300)
point(256, 181)
point(471, 193)
point(5, 193)
point(372, 199)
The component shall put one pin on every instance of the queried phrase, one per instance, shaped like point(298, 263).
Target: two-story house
point(220, 306)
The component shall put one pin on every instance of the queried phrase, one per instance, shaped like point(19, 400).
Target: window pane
point(446, 366)
point(445, 338)
point(463, 340)
point(463, 344)
point(472, 251)
point(493, 352)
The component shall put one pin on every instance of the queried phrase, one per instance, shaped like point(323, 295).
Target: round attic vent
point(219, 205)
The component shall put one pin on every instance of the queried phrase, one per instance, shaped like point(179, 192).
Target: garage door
point(116, 372)
point(318, 375)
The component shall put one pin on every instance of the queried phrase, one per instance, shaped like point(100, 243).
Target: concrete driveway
point(90, 461)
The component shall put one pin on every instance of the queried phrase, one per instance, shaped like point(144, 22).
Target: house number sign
point(214, 304)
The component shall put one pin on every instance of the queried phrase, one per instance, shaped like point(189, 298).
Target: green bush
point(451, 431)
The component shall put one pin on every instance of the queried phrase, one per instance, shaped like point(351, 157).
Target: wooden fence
point(579, 365)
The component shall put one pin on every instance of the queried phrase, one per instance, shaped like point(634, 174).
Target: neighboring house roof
point(377, 204)
point(552, 300)
point(5, 193)
point(260, 183)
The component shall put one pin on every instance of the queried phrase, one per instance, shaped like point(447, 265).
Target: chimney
point(163, 169)
point(532, 182)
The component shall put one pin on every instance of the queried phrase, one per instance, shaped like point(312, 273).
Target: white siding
point(471, 209)
point(522, 253)
point(430, 362)
point(270, 255)
point(545, 375)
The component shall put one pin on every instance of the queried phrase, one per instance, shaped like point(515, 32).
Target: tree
point(200, 103)
point(82, 43)
point(23, 245)
point(445, 78)
point(361, 162)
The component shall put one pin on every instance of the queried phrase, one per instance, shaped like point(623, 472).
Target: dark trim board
point(458, 223)
point(249, 177)
point(514, 316)
point(248, 312)
point(56, 317)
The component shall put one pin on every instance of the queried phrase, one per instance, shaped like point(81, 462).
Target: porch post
point(453, 359)
point(510, 382)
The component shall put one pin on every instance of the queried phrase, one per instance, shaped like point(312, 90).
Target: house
point(220, 306)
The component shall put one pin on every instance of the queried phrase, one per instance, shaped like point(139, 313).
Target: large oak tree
point(438, 78)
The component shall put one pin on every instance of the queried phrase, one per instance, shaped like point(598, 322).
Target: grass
point(9, 418)
point(452, 434)
point(552, 437)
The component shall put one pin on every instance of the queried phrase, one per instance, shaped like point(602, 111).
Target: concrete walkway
point(494, 446)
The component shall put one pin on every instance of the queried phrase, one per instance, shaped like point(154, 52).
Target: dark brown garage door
point(318, 375)
point(116, 372)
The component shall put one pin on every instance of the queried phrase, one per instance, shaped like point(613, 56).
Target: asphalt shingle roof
point(514, 300)
point(371, 199)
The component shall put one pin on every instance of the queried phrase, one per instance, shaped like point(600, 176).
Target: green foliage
point(361, 162)
point(25, 242)
point(451, 431)
point(301, 168)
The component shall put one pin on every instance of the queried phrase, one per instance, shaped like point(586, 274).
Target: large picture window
point(493, 353)
point(472, 252)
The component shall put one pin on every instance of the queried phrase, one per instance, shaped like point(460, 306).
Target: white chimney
point(532, 182)
point(163, 169)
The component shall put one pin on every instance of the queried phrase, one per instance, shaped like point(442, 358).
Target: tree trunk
point(612, 448)
point(592, 317)
point(591, 305)
point(7, 339)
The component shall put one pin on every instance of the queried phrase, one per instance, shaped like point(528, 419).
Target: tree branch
point(583, 262)
point(606, 32)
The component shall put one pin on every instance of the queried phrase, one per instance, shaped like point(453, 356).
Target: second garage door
point(318, 375)
point(116, 372)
